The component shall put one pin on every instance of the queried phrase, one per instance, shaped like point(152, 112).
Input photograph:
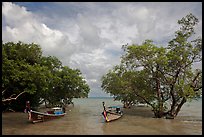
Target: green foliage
point(17, 66)
point(68, 84)
point(44, 79)
point(161, 77)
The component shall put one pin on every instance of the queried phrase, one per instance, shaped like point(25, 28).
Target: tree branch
point(4, 90)
point(10, 98)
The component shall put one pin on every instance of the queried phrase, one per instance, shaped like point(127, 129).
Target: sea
point(85, 118)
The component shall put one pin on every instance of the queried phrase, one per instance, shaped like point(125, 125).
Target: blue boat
point(35, 116)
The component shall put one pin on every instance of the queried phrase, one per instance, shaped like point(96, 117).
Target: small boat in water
point(35, 116)
point(113, 113)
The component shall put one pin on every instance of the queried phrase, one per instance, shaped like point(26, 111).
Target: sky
point(89, 35)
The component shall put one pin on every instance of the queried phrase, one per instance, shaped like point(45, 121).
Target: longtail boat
point(35, 116)
point(113, 113)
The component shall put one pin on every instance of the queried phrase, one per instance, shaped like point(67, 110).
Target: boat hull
point(35, 116)
point(111, 116)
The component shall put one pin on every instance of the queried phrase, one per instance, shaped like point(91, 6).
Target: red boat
point(35, 116)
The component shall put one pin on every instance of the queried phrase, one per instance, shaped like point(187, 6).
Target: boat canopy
point(115, 107)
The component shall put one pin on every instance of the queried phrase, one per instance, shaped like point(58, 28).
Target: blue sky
point(88, 35)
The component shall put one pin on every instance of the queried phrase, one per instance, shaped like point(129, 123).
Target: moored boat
point(113, 113)
point(36, 116)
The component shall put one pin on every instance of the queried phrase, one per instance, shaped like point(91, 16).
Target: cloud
point(88, 35)
point(26, 27)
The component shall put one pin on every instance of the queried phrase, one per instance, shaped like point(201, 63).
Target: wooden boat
point(113, 113)
point(35, 116)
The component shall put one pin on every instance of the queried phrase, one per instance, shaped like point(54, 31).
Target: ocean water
point(85, 118)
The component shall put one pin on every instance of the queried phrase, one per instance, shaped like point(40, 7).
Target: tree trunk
point(175, 109)
point(45, 104)
point(160, 110)
point(159, 113)
point(127, 104)
point(179, 106)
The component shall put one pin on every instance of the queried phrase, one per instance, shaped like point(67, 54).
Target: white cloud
point(27, 28)
point(89, 35)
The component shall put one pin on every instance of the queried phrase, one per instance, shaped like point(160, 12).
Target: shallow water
point(84, 118)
